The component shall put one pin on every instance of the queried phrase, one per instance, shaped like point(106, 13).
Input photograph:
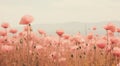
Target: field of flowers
point(26, 48)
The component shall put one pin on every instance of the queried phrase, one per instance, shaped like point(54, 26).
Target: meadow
point(26, 48)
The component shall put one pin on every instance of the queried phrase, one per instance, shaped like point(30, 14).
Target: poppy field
point(26, 48)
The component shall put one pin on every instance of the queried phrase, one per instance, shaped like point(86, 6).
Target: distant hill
point(70, 27)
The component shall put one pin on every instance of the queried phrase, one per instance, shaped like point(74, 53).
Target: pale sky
point(60, 11)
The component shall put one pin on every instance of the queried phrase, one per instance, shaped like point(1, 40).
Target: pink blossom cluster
point(26, 48)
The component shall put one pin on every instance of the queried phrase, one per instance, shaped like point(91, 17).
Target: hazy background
point(71, 15)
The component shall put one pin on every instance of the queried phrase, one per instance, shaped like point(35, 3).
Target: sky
point(60, 11)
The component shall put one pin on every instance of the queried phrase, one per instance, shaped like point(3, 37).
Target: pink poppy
point(5, 25)
point(116, 51)
point(101, 43)
point(26, 19)
point(60, 32)
point(13, 31)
